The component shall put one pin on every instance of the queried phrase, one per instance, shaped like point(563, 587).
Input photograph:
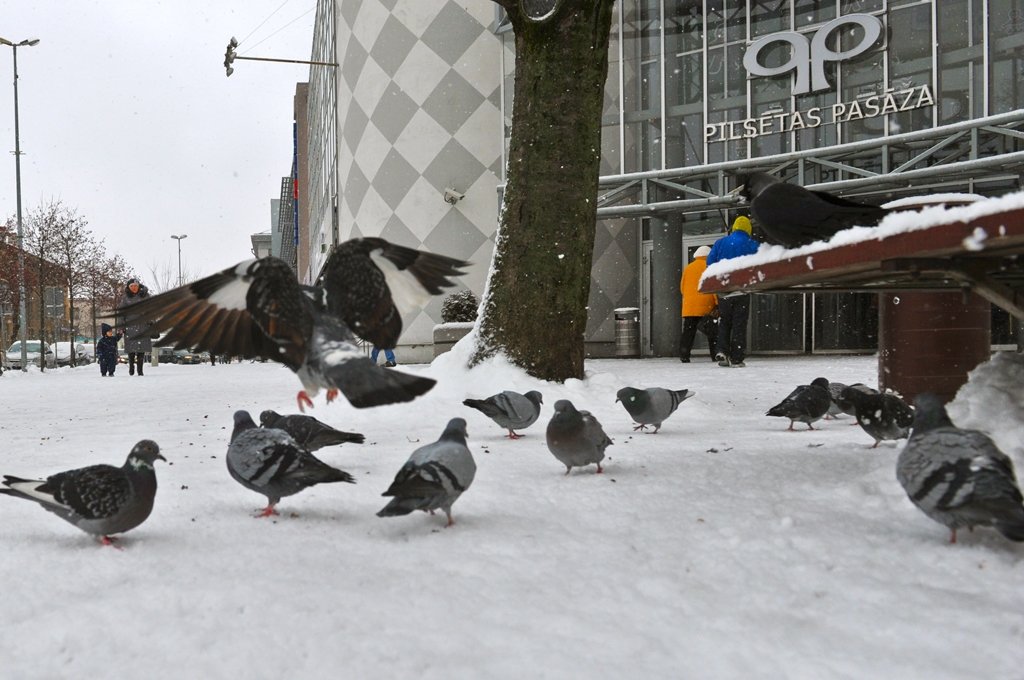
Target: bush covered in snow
point(460, 306)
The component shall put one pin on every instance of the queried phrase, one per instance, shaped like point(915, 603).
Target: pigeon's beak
point(617, 400)
point(161, 457)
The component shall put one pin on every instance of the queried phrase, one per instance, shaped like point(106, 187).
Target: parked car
point(184, 356)
point(62, 353)
point(87, 354)
point(165, 355)
point(34, 349)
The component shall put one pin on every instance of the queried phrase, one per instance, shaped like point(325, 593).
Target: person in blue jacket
point(106, 350)
point(733, 308)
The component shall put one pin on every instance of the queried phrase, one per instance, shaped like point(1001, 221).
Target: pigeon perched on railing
point(101, 500)
point(269, 462)
point(510, 410)
point(652, 405)
point(308, 432)
point(959, 478)
point(806, 404)
point(883, 416)
point(576, 438)
point(258, 309)
point(434, 476)
point(791, 216)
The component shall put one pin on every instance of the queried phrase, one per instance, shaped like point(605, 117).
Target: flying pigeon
point(434, 476)
point(258, 309)
point(959, 478)
point(841, 405)
point(792, 216)
point(807, 403)
point(651, 406)
point(307, 431)
point(268, 461)
point(883, 416)
point(101, 500)
point(576, 437)
point(510, 410)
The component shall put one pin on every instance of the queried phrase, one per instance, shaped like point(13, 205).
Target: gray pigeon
point(807, 403)
point(959, 478)
point(651, 406)
point(101, 500)
point(510, 410)
point(434, 476)
point(258, 309)
point(268, 461)
point(883, 416)
point(575, 437)
point(307, 431)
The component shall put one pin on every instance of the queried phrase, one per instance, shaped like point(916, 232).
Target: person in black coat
point(106, 350)
point(137, 342)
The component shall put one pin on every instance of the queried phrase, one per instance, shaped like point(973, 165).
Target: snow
point(893, 224)
point(722, 547)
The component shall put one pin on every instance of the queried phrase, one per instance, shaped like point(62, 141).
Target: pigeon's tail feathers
point(399, 506)
point(1012, 528)
point(326, 474)
point(482, 405)
point(29, 489)
point(780, 410)
point(366, 385)
point(335, 437)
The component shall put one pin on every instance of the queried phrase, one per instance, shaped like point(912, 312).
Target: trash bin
point(627, 332)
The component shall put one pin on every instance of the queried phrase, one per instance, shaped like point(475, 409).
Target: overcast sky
point(126, 116)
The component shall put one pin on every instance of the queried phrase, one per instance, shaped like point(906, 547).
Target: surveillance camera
point(452, 196)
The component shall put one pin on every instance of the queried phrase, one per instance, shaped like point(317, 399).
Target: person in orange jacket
point(696, 305)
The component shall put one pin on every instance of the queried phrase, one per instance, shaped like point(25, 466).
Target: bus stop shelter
point(935, 269)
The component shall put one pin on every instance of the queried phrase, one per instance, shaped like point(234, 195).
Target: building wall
point(301, 107)
point(419, 112)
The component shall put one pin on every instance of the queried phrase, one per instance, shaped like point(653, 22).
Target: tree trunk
point(535, 305)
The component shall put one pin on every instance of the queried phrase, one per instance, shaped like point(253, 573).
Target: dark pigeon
point(792, 216)
point(510, 410)
point(883, 416)
point(841, 404)
point(652, 405)
point(258, 309)
point(807, 403)
point(434, 476)
point(959, 478)
point(101, 500)
point(308, 432)
point(269, 462)
point(576, 438)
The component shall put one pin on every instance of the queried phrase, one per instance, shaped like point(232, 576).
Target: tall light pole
point(23, 315)
point(178, 238)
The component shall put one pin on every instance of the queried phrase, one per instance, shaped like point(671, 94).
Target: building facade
point(875, 99)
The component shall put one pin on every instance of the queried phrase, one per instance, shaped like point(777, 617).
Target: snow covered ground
point(723, 547)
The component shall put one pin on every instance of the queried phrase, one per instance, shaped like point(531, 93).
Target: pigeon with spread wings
point(258, 309)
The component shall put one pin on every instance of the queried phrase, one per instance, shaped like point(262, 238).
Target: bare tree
point(534, 308)
point(73, 248)
point(164, 275)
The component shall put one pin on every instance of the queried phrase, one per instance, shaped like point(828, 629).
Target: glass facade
point(696, 82)
point(322, 192)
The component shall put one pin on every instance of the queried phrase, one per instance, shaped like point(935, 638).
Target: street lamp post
point(178, 238)
point(23, 315)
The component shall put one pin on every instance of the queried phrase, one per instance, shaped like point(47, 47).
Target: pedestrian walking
point(389, 356)
point(106, 350)
point(733, 308)
point(137, 341)
point(699, 309)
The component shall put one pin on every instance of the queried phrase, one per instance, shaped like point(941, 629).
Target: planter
point(447, 334)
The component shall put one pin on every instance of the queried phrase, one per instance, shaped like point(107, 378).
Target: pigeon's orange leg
point(268, 511)
point(332, 394)
point(107, 540)
point(303, 399)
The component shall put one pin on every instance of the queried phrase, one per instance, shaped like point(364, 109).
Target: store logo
point(808, 57)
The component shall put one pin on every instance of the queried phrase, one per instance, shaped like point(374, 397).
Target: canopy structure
point(976, 248)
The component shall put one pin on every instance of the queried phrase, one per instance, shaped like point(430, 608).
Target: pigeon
point(510, 410)
point(576, 437)
point(807, 403)
point(258, 309)
point(307, 431)
point(268, 461)
point(434, 476)
point(841, 405)
point(651, 406)
point(792, 216)
point(101, 500)
point(883, 416)
point(959, 478)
